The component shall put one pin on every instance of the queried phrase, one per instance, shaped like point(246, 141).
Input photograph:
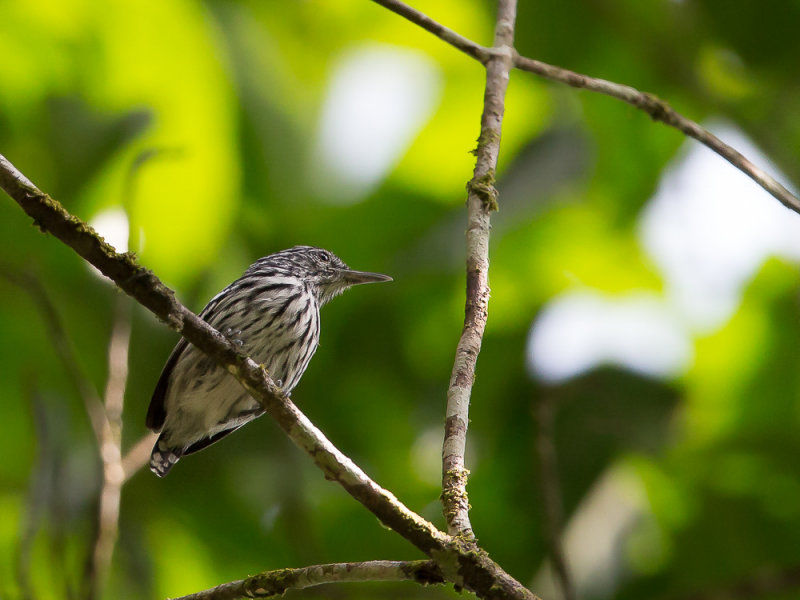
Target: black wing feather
point(197, 446)
point(157, 411)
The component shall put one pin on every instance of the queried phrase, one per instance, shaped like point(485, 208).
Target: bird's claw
point(232, 334)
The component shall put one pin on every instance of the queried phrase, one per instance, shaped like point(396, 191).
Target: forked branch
point(481, 200)
point(107, 525)
point(276, 583)
point(658, 109)
point(461, 562)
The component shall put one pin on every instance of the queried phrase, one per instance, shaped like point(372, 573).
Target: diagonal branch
point(658, 109)
point(138, 455)
point(462, 562)
point(107, 524)
point(481, 200)
point(276, 583)
point(467, 46)
point(64, 350)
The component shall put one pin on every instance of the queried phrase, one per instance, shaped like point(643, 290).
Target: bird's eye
point(324, 257)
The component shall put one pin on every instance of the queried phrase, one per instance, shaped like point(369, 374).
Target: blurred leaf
point(201, 120)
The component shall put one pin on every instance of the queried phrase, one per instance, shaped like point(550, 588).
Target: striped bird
point(272, 312)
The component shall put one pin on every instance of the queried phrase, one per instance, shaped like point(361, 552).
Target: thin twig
point(114, 472)
point(64, 350)
point(462, 561)
point(276, 583)
point(446, 34)
point(107, 526)
point(551, 492)
point(659, 110)
point(138, 455)
point(481, 200)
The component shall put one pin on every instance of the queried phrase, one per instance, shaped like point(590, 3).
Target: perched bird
point(272, 312)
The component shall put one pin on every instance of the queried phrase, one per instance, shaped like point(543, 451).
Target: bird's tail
point(163, 458)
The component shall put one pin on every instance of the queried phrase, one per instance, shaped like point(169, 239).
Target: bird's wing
point(157, 412)
point(205, 443)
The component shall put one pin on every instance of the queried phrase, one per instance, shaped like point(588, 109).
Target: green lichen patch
point(483, 187)
point(454, 496)
point(487, 136)
point(450, 565)
point(269, 584)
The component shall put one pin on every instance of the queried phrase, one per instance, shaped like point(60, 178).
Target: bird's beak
point(359, 277)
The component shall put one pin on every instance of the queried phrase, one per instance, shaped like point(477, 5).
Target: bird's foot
point(233, 335)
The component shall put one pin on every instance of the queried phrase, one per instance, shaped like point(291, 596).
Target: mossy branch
point(481, 201)
point(278, 582)
point(475, 570)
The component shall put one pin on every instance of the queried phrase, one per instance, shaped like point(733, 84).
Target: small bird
point(272, 313)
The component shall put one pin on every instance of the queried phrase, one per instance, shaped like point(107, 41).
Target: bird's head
point(322, 270)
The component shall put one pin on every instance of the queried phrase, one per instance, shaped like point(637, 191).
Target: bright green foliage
point(201, 120)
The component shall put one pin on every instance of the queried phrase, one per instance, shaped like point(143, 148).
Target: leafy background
point(228, 130)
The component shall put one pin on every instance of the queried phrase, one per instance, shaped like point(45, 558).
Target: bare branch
point(551, 492)
point(276, 583)
point(63, 348)
point(456, 40)
point(138, 455)
point(659, 110)
point(462, 561)
point(481, 200)
point(107, 527)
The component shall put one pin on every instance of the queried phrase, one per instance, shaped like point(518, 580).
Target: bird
point(272, 313)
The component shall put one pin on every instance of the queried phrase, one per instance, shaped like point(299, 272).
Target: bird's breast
point(284, 335)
